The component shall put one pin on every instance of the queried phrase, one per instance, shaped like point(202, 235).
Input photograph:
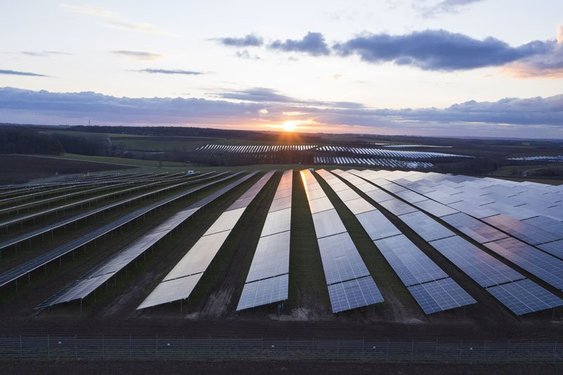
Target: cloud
point(43, 53)
point(18, 73)
point(138, 55)
point(312, 43)
point(445, 6)
point(257, 94)
point(249, 40)
point(170, 71)
point(244, 54)
point(438, 50)
point(433, 50)
point(510, 117)
point(112, 19)
point(547, 65)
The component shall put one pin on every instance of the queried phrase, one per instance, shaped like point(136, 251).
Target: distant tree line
point(21, 140)
point(26, 140)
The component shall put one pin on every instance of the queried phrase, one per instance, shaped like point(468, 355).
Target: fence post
point(103, 347)
point(130, 348)
point(21, 347)
point(338, 348)
point(48, 346)
point(75, 348)
point(412, 349)
point(555, 352)
point(387, 350)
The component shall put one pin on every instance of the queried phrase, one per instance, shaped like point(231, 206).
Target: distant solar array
point(385, 163)
point(331, 155)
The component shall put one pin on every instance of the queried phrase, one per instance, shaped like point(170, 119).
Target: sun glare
point(289, 126)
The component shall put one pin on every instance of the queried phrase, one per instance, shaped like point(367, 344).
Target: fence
point(206, 349)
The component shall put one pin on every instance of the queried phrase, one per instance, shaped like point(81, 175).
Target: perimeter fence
point(222, 349)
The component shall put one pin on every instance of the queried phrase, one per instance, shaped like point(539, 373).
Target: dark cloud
point(170, 71)
point(139, 55)
point(257, 94)
point(439, 50)
point(312, 43)
point(249, 40)
point(510, 117)
point(18, 73)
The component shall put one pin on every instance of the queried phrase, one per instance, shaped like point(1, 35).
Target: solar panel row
point(409, 263)
point(508, 286)
point(31, 265)
point(348, 280)
point(138, 247)
point(179, 283)
point(268, 276)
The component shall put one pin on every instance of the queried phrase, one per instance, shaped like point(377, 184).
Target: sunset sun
point(289, 126)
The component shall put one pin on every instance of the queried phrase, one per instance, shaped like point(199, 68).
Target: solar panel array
point(268, 277)
point(68, 247)
point(486, 225)
point(411, 265)
point(348, 280)
point(180, 282)
point(111, 267)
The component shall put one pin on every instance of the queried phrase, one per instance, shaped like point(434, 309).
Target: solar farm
point(313, 245)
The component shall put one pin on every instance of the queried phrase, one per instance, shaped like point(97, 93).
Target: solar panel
point(276, 222)
point(522, 230)
point(358, 206)
point(397, 207)
point(340, 259)
point(264, 292)
point(524, 297)
point(408, 261)
point(547, 224)
point(477, 211)
point(320, 204)
point(483, 268)
point(377, 225)
point(542, 265)
point(328, 223)
point(379, 196)
point(171, 290)
point(226, 221)
point(554, 248)
point(435, 208)
point(271, 257)
point(474, 228)
point(353, 294)
point(280, 204)
point(200, 255)
point(411, 196)
point(425, 226)
point(440, 295)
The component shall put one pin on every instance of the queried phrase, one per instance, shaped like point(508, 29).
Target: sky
point(479, 68)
